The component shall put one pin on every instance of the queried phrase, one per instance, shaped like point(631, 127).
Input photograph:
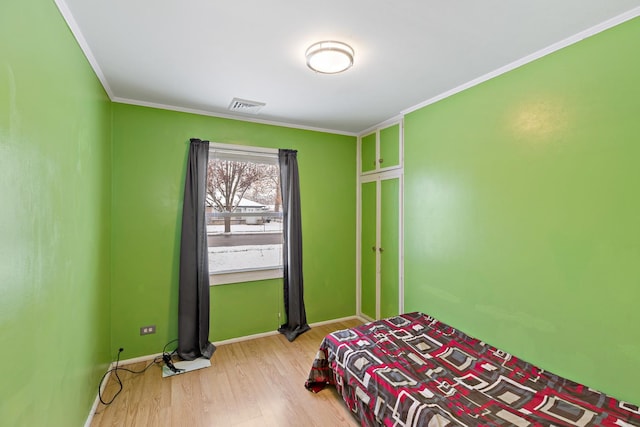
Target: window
point(244, 214)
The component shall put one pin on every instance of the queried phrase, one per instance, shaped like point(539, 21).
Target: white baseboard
point(216, 343)
point(245, 338)
point(365, 318)
point(94, 407)
point(106, 381)
point(342, 319)
point(270, 333)
point(137, 359)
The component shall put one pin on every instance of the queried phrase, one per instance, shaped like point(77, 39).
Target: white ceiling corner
point(197, 55)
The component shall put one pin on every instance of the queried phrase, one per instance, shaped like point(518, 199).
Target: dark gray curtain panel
point(292, 247)
point(193, 305)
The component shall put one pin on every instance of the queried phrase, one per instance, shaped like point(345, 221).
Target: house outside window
point(244, 214)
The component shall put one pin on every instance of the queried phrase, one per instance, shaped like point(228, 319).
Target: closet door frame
point(378, 178)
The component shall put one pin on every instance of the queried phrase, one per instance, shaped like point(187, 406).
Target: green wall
point(520, 215)
point(55, 160)
point(522, 211)
point(149, 158)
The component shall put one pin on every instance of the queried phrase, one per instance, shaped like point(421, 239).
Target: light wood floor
point(251, 383)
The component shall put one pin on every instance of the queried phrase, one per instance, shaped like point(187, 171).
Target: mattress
point(413, 370)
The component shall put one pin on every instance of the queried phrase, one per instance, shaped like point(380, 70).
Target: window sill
point(244, 276)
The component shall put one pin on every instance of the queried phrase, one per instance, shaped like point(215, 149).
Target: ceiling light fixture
point(329, 57)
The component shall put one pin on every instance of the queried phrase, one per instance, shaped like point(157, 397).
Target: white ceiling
point(197, 55)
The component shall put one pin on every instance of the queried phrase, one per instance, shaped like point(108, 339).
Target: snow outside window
point(244, 214)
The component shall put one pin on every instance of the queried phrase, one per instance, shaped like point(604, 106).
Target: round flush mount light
point(329, 57)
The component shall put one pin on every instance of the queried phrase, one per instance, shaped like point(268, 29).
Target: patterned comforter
point(412, 370)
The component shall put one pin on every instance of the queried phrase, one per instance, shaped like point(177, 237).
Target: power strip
point(185, 366)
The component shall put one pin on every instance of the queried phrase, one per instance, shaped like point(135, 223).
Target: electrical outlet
point(146, 330)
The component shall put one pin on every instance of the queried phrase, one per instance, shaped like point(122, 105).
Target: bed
point(413, 370)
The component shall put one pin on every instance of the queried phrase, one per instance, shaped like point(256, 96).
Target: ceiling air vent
point(243, 106)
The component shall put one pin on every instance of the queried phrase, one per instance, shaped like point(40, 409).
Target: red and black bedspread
point(412, 370)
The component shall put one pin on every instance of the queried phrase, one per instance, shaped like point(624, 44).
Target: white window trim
point(257, 154)
point(245, 276)
point(252, 153)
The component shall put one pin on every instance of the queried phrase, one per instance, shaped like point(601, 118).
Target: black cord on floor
point(117, 379)
point(164, 350)
point(166, 357)
point(117, 368)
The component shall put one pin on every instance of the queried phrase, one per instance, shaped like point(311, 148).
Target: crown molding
point(77, 34)
point(227, 116)
point(610, 23)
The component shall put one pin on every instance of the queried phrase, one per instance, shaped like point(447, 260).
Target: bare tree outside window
point(229, 181)
point(267, 189)
point(244, 219)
